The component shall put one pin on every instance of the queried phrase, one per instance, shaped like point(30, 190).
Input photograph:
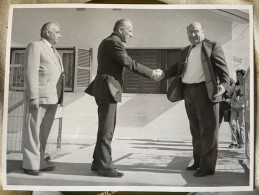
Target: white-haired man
point(107, 90)
point(44, 91)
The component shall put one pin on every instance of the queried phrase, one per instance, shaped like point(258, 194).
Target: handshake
point(157, 75)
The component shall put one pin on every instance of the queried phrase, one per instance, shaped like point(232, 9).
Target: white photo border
point(128, 188)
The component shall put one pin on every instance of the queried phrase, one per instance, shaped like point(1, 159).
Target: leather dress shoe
point(240, 146)
point(110, 173)
point(32, 172)
point(200, 173)
point(49, 168)
point(94, 168)
point(233, 145)
point(192, 167)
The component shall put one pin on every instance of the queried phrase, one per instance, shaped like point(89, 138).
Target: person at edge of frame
point(237, 117)
point(225, 105)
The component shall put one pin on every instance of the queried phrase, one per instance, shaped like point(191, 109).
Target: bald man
point(107, 90)
point(201, 77)
point(43, 88)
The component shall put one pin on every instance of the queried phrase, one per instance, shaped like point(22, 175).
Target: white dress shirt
point(194, 72)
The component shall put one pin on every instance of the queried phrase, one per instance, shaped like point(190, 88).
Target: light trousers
point(35, 135)
point(237, 125)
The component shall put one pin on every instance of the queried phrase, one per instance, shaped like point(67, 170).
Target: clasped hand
point(220, 91)
point(157, 75)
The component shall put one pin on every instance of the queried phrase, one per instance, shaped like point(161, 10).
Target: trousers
point(35, 135)
point(203, 117)
point(237, 125)
point(107, 108)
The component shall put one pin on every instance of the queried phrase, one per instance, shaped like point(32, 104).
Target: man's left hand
point(221, 90)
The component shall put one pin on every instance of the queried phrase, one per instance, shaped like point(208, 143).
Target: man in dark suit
point(201, 77)
point(44, 91)
point(107, 90)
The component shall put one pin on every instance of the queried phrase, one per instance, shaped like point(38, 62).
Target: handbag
point(227, 115)
point(226, 108)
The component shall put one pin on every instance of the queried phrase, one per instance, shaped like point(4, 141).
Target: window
point(17, 70)
point(67, 57)
point(83, 68)
point(76, 63)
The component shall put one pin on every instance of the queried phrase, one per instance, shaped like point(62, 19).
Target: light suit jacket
point(43, 74)
point(214, 66)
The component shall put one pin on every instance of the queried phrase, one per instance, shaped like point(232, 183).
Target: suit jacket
point(43, 74)
point(214, 66)
point(112, 59)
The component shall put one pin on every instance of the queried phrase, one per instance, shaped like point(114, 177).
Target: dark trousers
point(204, 124)
point(224, 112)
point(107, 108)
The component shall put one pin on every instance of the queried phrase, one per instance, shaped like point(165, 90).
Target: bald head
point(124, 29)
point(51, 32)
point(122, 23)
point(47, 26)
point(195, 24)
point(195, 33)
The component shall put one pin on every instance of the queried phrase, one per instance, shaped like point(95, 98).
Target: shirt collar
point(198, 45)
point(45, 41)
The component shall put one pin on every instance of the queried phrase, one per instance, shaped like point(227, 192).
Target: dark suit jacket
point(112, 59)
point(214, 65)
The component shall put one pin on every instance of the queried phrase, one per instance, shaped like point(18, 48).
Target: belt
point(188, 85)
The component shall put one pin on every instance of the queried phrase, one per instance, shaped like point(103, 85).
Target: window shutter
point(83, 68)
point(151, 59)
point(134, 83)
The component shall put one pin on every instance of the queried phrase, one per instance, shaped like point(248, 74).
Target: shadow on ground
point(141, 158)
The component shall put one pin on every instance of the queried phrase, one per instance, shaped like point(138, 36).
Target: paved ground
point(145, 162)
point(151, 149)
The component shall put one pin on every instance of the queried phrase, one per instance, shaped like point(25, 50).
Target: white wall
point(152, 29)
point(240, 44)
point(87, 28)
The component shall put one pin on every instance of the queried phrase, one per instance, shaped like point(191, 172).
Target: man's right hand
point(158, 75)
point(34, 103)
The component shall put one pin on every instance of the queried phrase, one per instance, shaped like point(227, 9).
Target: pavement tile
point(145, 162)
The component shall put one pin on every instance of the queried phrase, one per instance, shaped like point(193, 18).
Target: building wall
point(152, 29)
point(240, 45)
point(88, 27)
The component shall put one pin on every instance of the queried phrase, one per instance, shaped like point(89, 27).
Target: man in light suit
point(201, 77)
point(107, 90)
point(44, 91)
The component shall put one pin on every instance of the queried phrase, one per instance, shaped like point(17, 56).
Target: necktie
point(55, 52)
point(53, 49)
point(189, 51)
point(57, 56)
